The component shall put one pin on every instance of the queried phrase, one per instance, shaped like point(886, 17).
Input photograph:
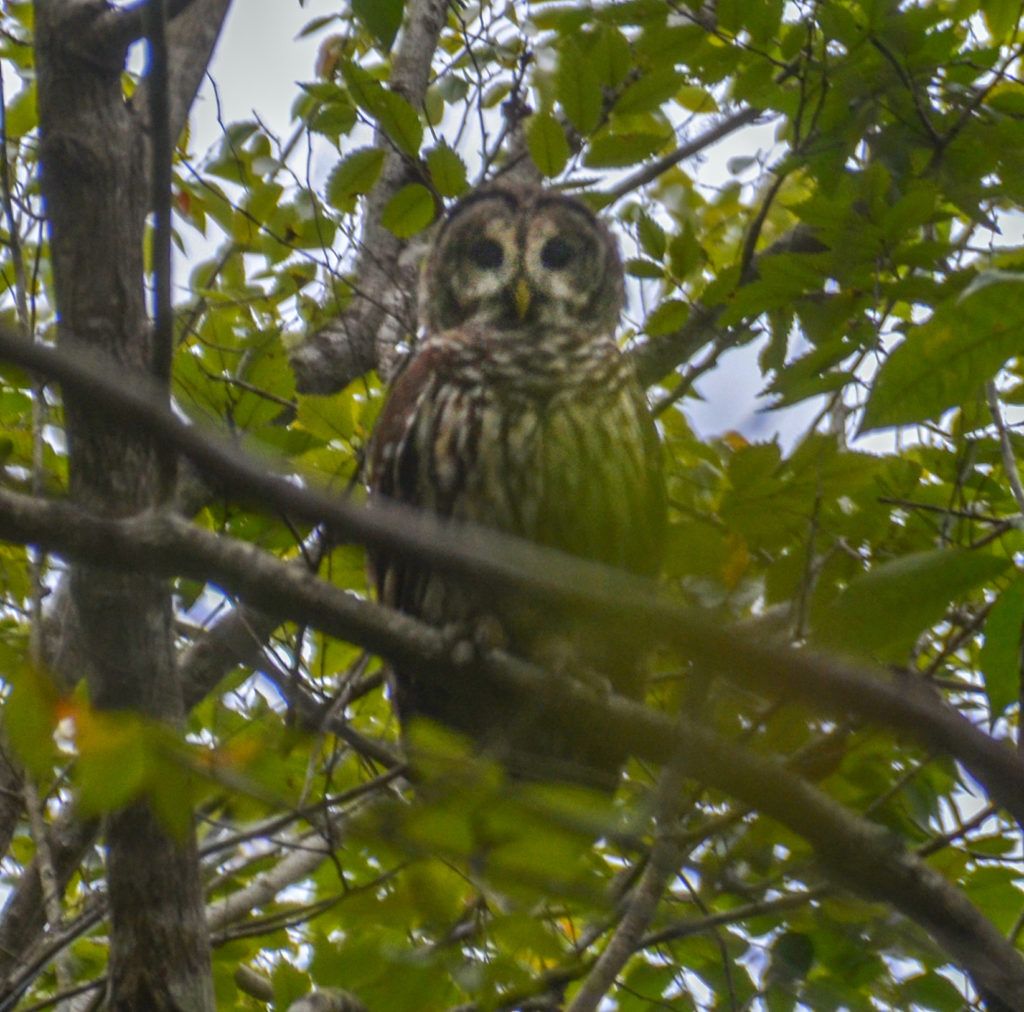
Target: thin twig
point(47, 879)
point(664, 861)
point(1005, 445)
point(154, 17)
point(650, 172)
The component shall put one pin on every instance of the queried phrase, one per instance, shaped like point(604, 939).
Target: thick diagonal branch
point(501, 563)
point(859, 854)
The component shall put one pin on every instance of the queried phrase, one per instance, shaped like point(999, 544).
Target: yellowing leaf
point(737, 562)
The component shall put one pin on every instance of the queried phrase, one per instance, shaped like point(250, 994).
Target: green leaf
point(334, 118)
point(1001, 652)
point(353, 175)
point(1001, 17)
point(949, 358)
point(578, 88)
point(547, 145)
point(792, 956)
point(884, 611)
point(650, 91)
point(409, 211)
point(611, 56)
point(696, 99)
point(401, 123)
point(637, 267)
point(365, 89)
point(931, 991)
point(382, 19)
point(651, 235)
point(667, 318)
point(397, 118)
point(997, 892)
point(447, 171)
point(114, 751)
point(608, 150)
point(21, 115)
point(326, 417)
point(31, 713)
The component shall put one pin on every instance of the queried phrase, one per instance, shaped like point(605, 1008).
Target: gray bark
point(95, 181)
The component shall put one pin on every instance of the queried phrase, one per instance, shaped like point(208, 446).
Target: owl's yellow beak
point(522, 297)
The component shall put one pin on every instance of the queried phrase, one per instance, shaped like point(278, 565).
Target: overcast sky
point(258, 61)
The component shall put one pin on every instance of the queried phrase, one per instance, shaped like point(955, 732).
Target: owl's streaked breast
point(557, 447)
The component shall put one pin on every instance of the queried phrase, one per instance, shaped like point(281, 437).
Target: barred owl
point(518, 411)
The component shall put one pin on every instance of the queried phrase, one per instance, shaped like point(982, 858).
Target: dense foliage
point(867, 255)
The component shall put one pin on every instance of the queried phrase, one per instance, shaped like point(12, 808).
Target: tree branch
point(94, 183)
point(121, 26)
point(488, 559)
point(237, 639)
point(192, 32)
point(23, 915)
point(858, 853)
point(666, 855)
point(381, 311)
point(648, 173)
point(155, 14)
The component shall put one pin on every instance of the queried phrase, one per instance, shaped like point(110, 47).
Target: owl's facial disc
point(522, 259)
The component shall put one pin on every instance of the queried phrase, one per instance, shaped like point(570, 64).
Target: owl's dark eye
point(555, 253)
point(487, 253)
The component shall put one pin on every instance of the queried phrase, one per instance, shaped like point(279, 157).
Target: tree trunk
point(97, 194)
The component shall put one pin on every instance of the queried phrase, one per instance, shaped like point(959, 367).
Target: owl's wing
point(399, 450)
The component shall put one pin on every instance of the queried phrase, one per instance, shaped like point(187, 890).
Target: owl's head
point(516, 257)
